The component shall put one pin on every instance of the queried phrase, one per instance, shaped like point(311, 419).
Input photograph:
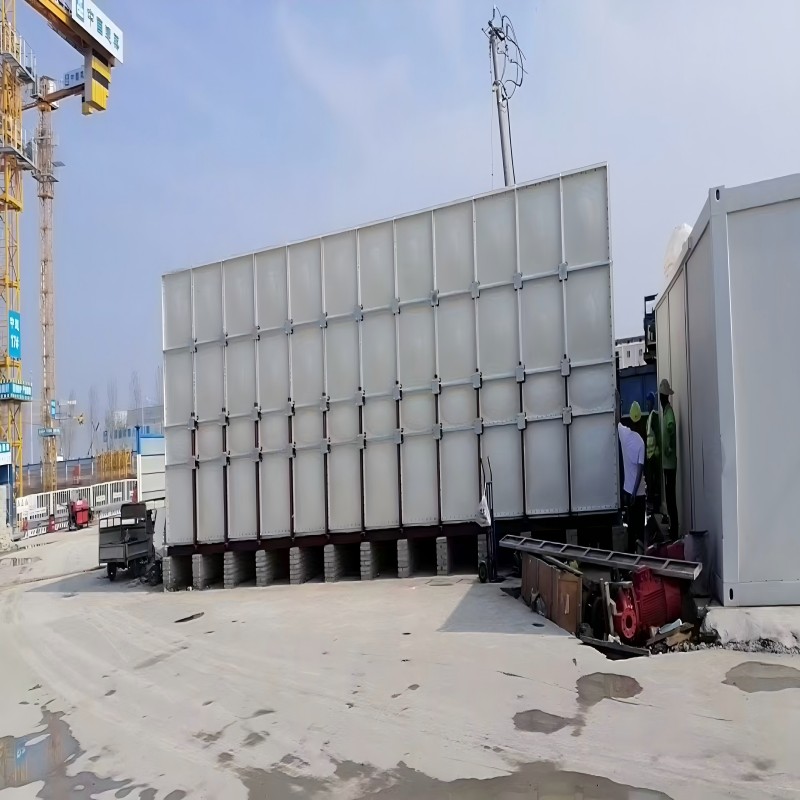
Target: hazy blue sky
point(236, 125)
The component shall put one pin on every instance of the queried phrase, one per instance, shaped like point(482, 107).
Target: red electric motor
point(652, 601)
point(80, 514)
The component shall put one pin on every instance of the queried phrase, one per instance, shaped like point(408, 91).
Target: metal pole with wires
point(504, 50)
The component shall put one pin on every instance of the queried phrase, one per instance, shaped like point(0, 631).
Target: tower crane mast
point(46, 179)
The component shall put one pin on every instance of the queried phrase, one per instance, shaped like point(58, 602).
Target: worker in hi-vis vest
point(669, 454)
point(653, 454)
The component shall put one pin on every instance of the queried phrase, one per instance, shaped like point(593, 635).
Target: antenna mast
point(505, 52)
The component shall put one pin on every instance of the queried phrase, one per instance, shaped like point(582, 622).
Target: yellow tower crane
point(90, 31)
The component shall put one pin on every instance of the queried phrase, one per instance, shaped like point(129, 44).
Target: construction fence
point(34, 511)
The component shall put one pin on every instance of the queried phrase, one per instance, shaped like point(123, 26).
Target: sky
point(233, 126)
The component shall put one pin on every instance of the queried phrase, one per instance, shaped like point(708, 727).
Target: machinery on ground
point(126, 542)
point(80, 514)
point(611, 600)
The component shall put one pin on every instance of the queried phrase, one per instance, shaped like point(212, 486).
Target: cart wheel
point(154, 574)
point(483, 572)
point(111, 569)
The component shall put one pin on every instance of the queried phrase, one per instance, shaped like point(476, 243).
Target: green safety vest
point(653, 448)
point(669, 458)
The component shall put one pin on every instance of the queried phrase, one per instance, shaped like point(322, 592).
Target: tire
point(153, 575)
point(111, 570)
point(483, 572)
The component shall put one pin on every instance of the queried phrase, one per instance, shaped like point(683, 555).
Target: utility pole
point(500, 33)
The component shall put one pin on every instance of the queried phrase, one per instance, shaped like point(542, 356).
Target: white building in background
point(630, 352)
point(122, 435)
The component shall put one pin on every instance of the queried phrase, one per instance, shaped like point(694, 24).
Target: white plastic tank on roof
point(675, 247)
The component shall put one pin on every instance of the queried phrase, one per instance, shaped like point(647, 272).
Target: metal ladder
point(668, 567)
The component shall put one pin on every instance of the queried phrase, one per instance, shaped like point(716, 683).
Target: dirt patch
point(191, 617)
point(209, 738)
point(756, 676)
point(15, 561)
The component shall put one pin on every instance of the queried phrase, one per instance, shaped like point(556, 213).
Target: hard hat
point(665, 388)
point(636, 412)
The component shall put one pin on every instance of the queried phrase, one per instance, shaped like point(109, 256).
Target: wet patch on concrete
point(540, 779)
point(756, 676)
point(537, 721)
point(413, 687)
point(262, 712)
point(110, 692)
point(601, 686)
point(253, 738)
point(177, 794)
point(46, 754)
point(604, 685)
point(225, 758)
point(591, 690)
point(261, 783)
point(763, 764)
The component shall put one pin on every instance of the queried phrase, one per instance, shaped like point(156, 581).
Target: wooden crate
point(561, 591)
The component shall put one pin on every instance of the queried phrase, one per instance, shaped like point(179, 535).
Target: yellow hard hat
point(636, 412)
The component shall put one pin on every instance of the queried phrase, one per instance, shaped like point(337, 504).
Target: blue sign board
point(49, 431)
point(16, 391)
point(14, 336)
point(53, 409)
point(5, 447)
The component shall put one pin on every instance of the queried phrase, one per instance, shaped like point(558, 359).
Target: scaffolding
point(115, 465)
point(16, 157)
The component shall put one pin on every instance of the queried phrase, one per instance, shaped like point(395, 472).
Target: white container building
point(727, 335)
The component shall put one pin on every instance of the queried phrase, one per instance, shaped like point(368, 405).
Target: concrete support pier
point(206, 570)
point(238, 568)
point(177, 572)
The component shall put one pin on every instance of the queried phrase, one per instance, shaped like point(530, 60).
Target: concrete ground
point(423, 688)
